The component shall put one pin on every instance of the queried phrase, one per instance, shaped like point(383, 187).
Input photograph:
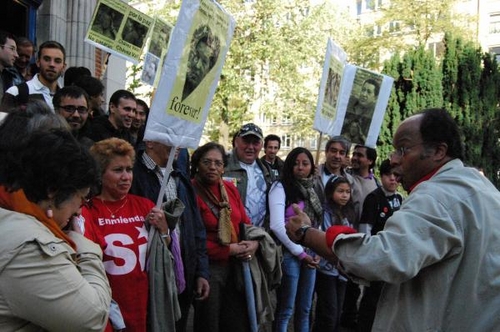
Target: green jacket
point(234, 172)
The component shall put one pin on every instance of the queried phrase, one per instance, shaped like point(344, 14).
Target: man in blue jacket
point(149, 170)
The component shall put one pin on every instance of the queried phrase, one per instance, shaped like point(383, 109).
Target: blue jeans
point(296, 291)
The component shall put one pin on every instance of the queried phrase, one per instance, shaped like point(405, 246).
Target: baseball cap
point(250, 129)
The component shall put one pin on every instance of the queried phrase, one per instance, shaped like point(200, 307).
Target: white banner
point(119, 29)
point(362, 104)
point(329, 88)
point(190, 74)
point(157, 50)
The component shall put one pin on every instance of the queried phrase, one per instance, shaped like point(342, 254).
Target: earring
point(49, 213)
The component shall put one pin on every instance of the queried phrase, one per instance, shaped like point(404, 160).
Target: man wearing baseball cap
point(248, 173)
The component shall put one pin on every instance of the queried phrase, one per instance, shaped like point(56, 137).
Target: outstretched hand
point(316, 239)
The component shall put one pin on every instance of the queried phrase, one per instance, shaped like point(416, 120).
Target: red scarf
point(17, 201)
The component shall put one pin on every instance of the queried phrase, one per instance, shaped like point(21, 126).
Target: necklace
point(115, 211)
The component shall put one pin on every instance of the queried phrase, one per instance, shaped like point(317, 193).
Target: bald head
point(421, 145)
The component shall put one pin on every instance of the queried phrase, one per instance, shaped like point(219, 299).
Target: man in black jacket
point(122, 111)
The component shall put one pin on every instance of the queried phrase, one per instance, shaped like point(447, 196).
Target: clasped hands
point(244, 250)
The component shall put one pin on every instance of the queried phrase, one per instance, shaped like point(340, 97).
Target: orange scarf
point(17, 201)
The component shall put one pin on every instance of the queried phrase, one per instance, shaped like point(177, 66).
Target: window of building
point(436, 48)
point(370, 4)
point(495, 23)
point(287, 119)
point(313, 142)
point(394, 26)
point(286, 142)
point(496, 51)
point(299, 142)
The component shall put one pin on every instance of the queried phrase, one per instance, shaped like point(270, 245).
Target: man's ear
point(441, 151)
point(63, 70)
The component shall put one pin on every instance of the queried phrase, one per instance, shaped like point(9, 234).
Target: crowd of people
point(91, 242)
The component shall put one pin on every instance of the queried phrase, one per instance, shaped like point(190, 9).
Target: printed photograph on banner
point(107, 22)
point(150, 68)
point(329, 87)
point(119, 29)
point(203, 54)
point(134, 32)
point(361, 105)
point(160, 38)
point(190, 74)
point(200, 55)
point(332, 91)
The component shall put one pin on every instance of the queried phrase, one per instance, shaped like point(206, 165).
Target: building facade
point(65, 21)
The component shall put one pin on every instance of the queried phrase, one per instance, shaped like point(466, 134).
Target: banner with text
point(190, 74)
point(119, 29)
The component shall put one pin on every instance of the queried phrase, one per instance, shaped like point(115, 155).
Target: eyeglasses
point(11, 47)
point(70, 109)
point(400, 152)
point(208, 163)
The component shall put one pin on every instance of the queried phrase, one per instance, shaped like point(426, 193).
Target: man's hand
point(314, 239)
point(294, 223)
point(202, 289)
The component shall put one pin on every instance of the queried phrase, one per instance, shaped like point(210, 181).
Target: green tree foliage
point(417, 85)
point(134, 78)
point(465, 81)
point(403, 25)
point(472, 92)
point(274, 62)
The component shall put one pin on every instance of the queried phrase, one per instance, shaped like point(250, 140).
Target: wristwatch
point(301, 233)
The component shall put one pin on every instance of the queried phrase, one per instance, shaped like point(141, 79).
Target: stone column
point(78, 52)
point(66, 21)
point(51, 21)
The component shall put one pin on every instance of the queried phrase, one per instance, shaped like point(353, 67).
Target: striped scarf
point(313, 207)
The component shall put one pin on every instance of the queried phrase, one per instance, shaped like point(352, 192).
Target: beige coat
point(439, 256)
point(266, 272)
point(42, 287)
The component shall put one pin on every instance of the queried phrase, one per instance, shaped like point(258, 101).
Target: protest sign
point(352, 101)
point(190, 74)
point(119, 29)
point(329, 88)
point(157, 50)
point(150, 68)
point(361, 105)
point(160, 38)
